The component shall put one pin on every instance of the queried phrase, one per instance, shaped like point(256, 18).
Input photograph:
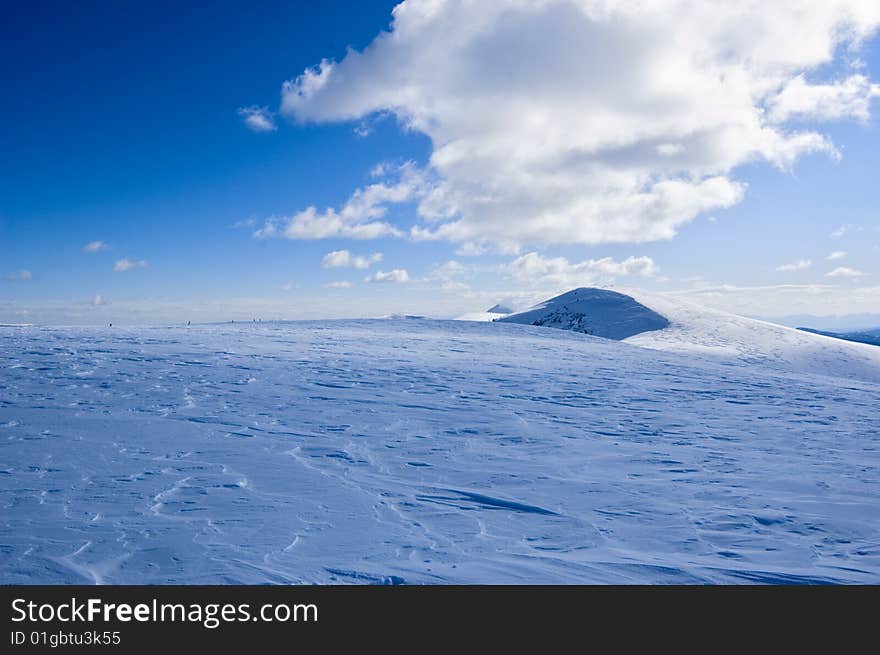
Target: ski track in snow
point(399, 451)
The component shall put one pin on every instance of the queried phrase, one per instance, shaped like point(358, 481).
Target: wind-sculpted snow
point(424, 452)
point(599, 312)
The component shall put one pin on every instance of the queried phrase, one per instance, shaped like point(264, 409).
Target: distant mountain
point(499, 309)
point(841, 324)
point(863, 336)
point(492, 314)
point(598, 312)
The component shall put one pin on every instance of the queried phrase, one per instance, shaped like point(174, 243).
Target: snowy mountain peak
point(499, 309)
point(599, 312)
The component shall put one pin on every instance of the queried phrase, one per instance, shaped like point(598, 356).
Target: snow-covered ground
point(438, 452)
point(480, 316)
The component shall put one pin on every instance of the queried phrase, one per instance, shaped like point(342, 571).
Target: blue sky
point(125, 125)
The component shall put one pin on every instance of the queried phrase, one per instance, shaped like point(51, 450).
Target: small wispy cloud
point(449, 275)
point(344, 259)
point(454, 286)
point(845, 229)
point(19, 276)
point(398, 276)
point(837, 254)
point(843, 271)
point(246, 222)
point(381, 169)
point(96, 246)
point(801, 265)
point(126, 264)
point(258, 119)
point(98, 301)
point(449, 269)
point(342, 284)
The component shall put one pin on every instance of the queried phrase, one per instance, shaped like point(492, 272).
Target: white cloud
point(843, 271)
point(126, 264)
point(580, 121)
point(454, 286)
point(849, 98)
point(837, 254)
point(96, 246)
point(801, 265)
point(449, 269)
point(398, 275)
point(98, 301)
point(381, 169)
point(307, 84)
point(449, 275)
point(258, 119)
point(535, 269)
point(344, 259)
point(670, 149)
point(358, 217)
point(342, 284)
point(19, 276)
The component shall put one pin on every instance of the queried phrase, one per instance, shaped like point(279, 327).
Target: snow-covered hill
point(663, 322)
point(745, 342)
point(599, 312)
point(427, 452)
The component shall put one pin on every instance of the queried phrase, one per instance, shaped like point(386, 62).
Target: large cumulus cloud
point(593, 121)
